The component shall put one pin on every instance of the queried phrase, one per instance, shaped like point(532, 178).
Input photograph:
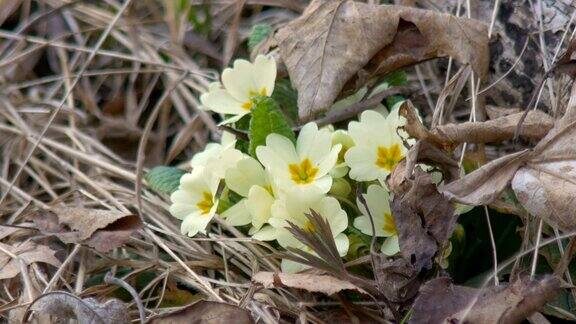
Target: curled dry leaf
point(98, 228)
point(546, 185)
point(442, 302)
point(397, 279)
point(86, 311)
point(424, 218)
point(29, 252)
point(484, 185)
point(338, 45)
point(205, 312)
point(536, 125)
point(314, 283)
point(544, 179)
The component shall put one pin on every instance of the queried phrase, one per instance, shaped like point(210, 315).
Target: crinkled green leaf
point(258, 34)
point(267, 119)
point(164, 179)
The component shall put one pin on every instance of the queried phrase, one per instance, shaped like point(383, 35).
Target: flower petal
point(391, 246)
point(362, 163)
point(342, 244)
point(238, 214)
point(238, 80)
point(195, 223)
point(266, 233)
point(247, 173)
point(289, 266)
point(264, 73)
point(220, 101)
point(259, 204)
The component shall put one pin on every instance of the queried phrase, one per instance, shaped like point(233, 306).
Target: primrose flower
point(341, 137)
point(218, 157)
point(195, 201)
point(378, 147)
point(306, 164)
point(239, 85)
point(377, 199)
point(293, 207)
point(249, 179)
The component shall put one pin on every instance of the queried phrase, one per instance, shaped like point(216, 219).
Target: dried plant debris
point(311, 282)
point(442, 302)
point(205, 312)
point(543, 178)
point(23, 254)
point(344, 44)
point(97, 228)
point(536, 125)
point(64, 305)
point(424, 218)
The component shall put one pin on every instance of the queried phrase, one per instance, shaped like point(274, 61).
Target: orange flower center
point(205, 205)
point(388, 157)
point(304, 172)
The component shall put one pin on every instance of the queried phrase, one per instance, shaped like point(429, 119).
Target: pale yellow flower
point(216, 158)
point(307, 163)
point(378, 202)
point(249, 179)
point(240, 85)
point(293, 207)
point(378, 147)
point(195, 201)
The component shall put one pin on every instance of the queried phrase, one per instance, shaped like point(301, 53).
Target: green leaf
point(267, 119)
point(396, 79)
point(287, 99)
point(164, 179)
point(258, 34)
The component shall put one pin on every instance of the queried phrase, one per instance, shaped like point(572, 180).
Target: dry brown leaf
point(441, 302)
point(424, 219)
point(314, 283)
point(485, 184)
point(546, 186)
point(397, 279)
point(86, 311)
point(338, 44)
point(98, 228)
point(205, 312)
point(544, 179)
point(536, 125)
point(494, 112)
point(29, 252)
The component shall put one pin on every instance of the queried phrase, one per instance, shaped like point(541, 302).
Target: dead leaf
point(442, 302)
point(544, 179)
point(314, 283)
point(536, 125)
point(424, 152)
point(494, 112)
point(397, 279)
point(29, 252)
point(338, 44)
point(205, 312)
point(98, 228)
point(424, 219)
point(484, 185)
point(86, 311)
point(546, 185)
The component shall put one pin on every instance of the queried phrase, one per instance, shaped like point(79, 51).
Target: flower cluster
point(285, 179)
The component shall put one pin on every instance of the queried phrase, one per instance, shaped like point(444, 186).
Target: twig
point(493, 243)
point(111, 280)
point(536, 247)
